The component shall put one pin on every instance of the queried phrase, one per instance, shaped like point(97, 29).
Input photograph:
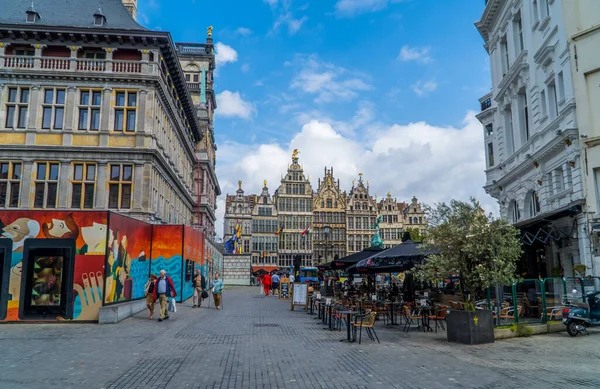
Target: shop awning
point(265, 269)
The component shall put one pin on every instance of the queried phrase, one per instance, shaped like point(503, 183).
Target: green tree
point(481, 250)
point(415, 234)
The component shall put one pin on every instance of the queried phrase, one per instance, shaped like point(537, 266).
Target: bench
point(115, 313)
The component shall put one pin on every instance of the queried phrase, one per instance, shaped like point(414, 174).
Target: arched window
point(513, 212)
point(532, 204)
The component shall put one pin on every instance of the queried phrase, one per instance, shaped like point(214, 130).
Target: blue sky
point(384, 87)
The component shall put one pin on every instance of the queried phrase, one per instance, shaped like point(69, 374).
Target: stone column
point(101, 185)
point(2, 53)
point(109, 59)
point(140, 125)
point(144, 61)
point(107, 117)
point(138, 187)
point(2, 91)
point(37, 59)
point(73, 58)
point(64, 187)
point(33, 109)
point(26, 184)
point(70, 117)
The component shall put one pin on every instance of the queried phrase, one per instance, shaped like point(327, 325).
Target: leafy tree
point(415, 234)
point(481, 250)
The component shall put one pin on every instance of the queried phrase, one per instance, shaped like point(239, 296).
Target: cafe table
point(348, 314)
point(425, 311)
point(391, 306)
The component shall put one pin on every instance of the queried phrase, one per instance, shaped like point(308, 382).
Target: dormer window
point(31, 15)
point(99, 18)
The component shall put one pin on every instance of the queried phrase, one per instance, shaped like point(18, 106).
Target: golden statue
point(265, 183)
point(329, 180)
point(295, 154)
point(240, 184)
point(209, 31)
point(353, 181)
point(389, 194)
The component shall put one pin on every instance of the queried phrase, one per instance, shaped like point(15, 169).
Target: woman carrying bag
point(149, 294)
point(217, 290)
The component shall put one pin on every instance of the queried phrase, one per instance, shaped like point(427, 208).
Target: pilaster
point(26, 184)
point(63, 185)
point(101, 186)
point(107, 116)
point(138, 187)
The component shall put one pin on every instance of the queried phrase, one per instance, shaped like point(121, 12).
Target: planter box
point(470, 327)
point(504, 333)
point(556, 327)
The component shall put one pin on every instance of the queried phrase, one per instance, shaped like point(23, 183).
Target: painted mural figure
point(95, 239)
point(19, 231)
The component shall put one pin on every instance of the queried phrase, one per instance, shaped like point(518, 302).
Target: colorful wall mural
point(127, 262)
point(112, 258)
point(87, 229)
point(166, 254)
point(193, 243)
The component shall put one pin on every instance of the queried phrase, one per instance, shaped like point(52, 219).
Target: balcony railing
point(77, 65)
point(485, 104)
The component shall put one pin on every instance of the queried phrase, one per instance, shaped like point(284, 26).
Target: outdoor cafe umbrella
point(352, 259)
point(399, 258)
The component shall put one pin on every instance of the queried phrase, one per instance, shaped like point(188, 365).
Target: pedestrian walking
point(199, 285)
point(275, 283)
point(149, 294)
point(217, 290)
point(164, 289)
point(266, 281)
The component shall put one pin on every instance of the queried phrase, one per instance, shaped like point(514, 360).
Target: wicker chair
point(368, 323)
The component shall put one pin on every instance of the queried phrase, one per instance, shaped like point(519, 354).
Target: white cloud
point(349, 8)
point(422, 88)
point(417, 54)
point(225, 54)
point(243, 31)
point(284, 12)
point(245, 68)
point(327, 81)
point(433, 163)
point(231, 104)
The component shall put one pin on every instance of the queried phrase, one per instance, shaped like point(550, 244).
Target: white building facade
point(582, 24)
point(532, 147)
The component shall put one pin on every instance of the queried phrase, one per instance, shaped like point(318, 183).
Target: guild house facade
point(318, 225)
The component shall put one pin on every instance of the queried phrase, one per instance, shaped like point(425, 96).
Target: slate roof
point(69, 13)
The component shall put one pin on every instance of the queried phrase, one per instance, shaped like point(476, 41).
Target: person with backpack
point(199, 285)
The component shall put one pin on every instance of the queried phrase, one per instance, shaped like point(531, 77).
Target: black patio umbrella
point(345, 262)
point(260, 272)
point(399, 258)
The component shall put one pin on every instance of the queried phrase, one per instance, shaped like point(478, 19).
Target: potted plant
point(481, 250)
point(579, 270)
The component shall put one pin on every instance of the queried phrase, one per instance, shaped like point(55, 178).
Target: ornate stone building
point(95, 113)
point(265, 241)
point(392, 225)
point(414, 217)
point(198, 64)
point(361, 213)
point(329, 219)
point(238, 211)
point(294, 204)
point(535, 166)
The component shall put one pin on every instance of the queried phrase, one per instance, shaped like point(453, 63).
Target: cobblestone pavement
point(257, 342)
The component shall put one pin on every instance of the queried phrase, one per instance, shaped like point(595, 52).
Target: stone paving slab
point(257, 342)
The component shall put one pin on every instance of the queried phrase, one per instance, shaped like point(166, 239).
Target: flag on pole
point(280, 230)
point(306, 231)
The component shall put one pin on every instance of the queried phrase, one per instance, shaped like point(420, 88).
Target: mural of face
point(95, 237)
point(61, 228)
point(21, 230)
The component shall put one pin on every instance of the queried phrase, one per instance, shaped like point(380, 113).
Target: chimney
point(131, 6)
